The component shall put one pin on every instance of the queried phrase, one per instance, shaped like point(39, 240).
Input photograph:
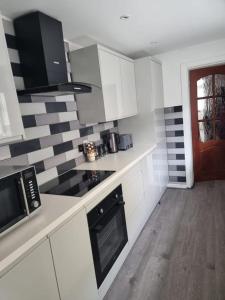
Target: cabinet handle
point(56, 62)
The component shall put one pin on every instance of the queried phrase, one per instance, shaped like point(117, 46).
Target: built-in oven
point(108, 232)
point(19, 196)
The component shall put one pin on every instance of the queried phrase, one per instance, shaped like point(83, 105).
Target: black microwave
point(19, 196)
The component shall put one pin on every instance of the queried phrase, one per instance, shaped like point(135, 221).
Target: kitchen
point(110, 186)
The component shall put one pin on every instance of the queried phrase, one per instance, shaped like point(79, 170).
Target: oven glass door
point(108, 238)
point(12, 202)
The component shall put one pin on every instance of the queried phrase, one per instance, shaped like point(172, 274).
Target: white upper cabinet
point(11, 127)
point(128, 88)
point(112, 78)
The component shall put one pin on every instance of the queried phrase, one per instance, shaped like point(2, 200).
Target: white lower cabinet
point(151, 193)
point(32, 278)
point(73, 261)
point(133, 193)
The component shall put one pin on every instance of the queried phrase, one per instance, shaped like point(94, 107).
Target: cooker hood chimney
point(42, 55)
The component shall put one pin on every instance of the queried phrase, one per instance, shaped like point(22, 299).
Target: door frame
point(185, 95)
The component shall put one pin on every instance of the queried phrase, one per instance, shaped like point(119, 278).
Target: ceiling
point(154, 26)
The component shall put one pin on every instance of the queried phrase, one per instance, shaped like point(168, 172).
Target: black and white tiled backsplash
point(175, 144)
point(53, 131)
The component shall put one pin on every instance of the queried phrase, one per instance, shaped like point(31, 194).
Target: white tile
point(72, 154)
point(32, 108)
point(70, 135)
point(175, 162)
point(67, 116)
point(175, 151)
point(4, 152)
point(8, 27)
point(65, 98)
point(174, 127)
point(37, 132)
point(14, 55)
point(175, 139)
point(108, 125)
point(39, 155)
point(46, 176)
point(177, 173)
point(94, 137)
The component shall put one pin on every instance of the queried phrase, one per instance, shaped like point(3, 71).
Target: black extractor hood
point(42, 56)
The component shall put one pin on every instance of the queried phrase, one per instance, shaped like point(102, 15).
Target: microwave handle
point(21, 183)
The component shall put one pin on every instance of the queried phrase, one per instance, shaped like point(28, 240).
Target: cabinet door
point(73, 261)
point(133, 193)
point(129, 102)
point(33, 277)
point(150, 184)
point(10, 117)
point(111, 84)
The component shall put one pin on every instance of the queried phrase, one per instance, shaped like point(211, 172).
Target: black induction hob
point(74, 183)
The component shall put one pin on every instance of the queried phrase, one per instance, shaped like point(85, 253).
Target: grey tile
point(17, 149)
point(60, 127)
point(29, 121)
point(71, 106)
point(19, 83)
point(21, 160)
point(41, 99)
point(45, 119)
point(79, 160)
point(63, 147)
point(98, 128)
point(86, 131)
point(66, 166)
point(14, 56)
point(8, 27)
point(25, 99)
point(74, 125)
point(39, 167)
point(54, 161)
point(51, 140)
point(4, 152)
point(79, 141)
point(55, 107)
point(170, 133)
point(171, 156)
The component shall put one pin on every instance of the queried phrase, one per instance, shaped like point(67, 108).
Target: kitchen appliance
point(111, 140)
point(108, 232)
point(125, 142)
point(42, 56)
point(74, 182)
point(19, 196)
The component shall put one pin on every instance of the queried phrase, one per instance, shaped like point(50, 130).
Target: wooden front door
point(207, 90)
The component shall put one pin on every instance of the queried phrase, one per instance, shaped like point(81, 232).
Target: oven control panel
point(31, 189)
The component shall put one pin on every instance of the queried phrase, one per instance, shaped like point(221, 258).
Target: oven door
point(12, 202)
point(108, 238)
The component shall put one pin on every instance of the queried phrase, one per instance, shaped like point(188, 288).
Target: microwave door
point(12, 202)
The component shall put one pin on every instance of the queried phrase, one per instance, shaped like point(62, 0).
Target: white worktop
point(56, 210)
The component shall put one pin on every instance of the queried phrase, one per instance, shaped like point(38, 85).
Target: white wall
point(173, 60)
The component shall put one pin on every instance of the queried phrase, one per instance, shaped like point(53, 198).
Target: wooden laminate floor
point(180, 254)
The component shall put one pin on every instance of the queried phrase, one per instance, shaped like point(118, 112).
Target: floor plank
point(180, 254)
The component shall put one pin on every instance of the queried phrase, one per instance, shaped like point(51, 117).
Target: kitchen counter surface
point(57, 210)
